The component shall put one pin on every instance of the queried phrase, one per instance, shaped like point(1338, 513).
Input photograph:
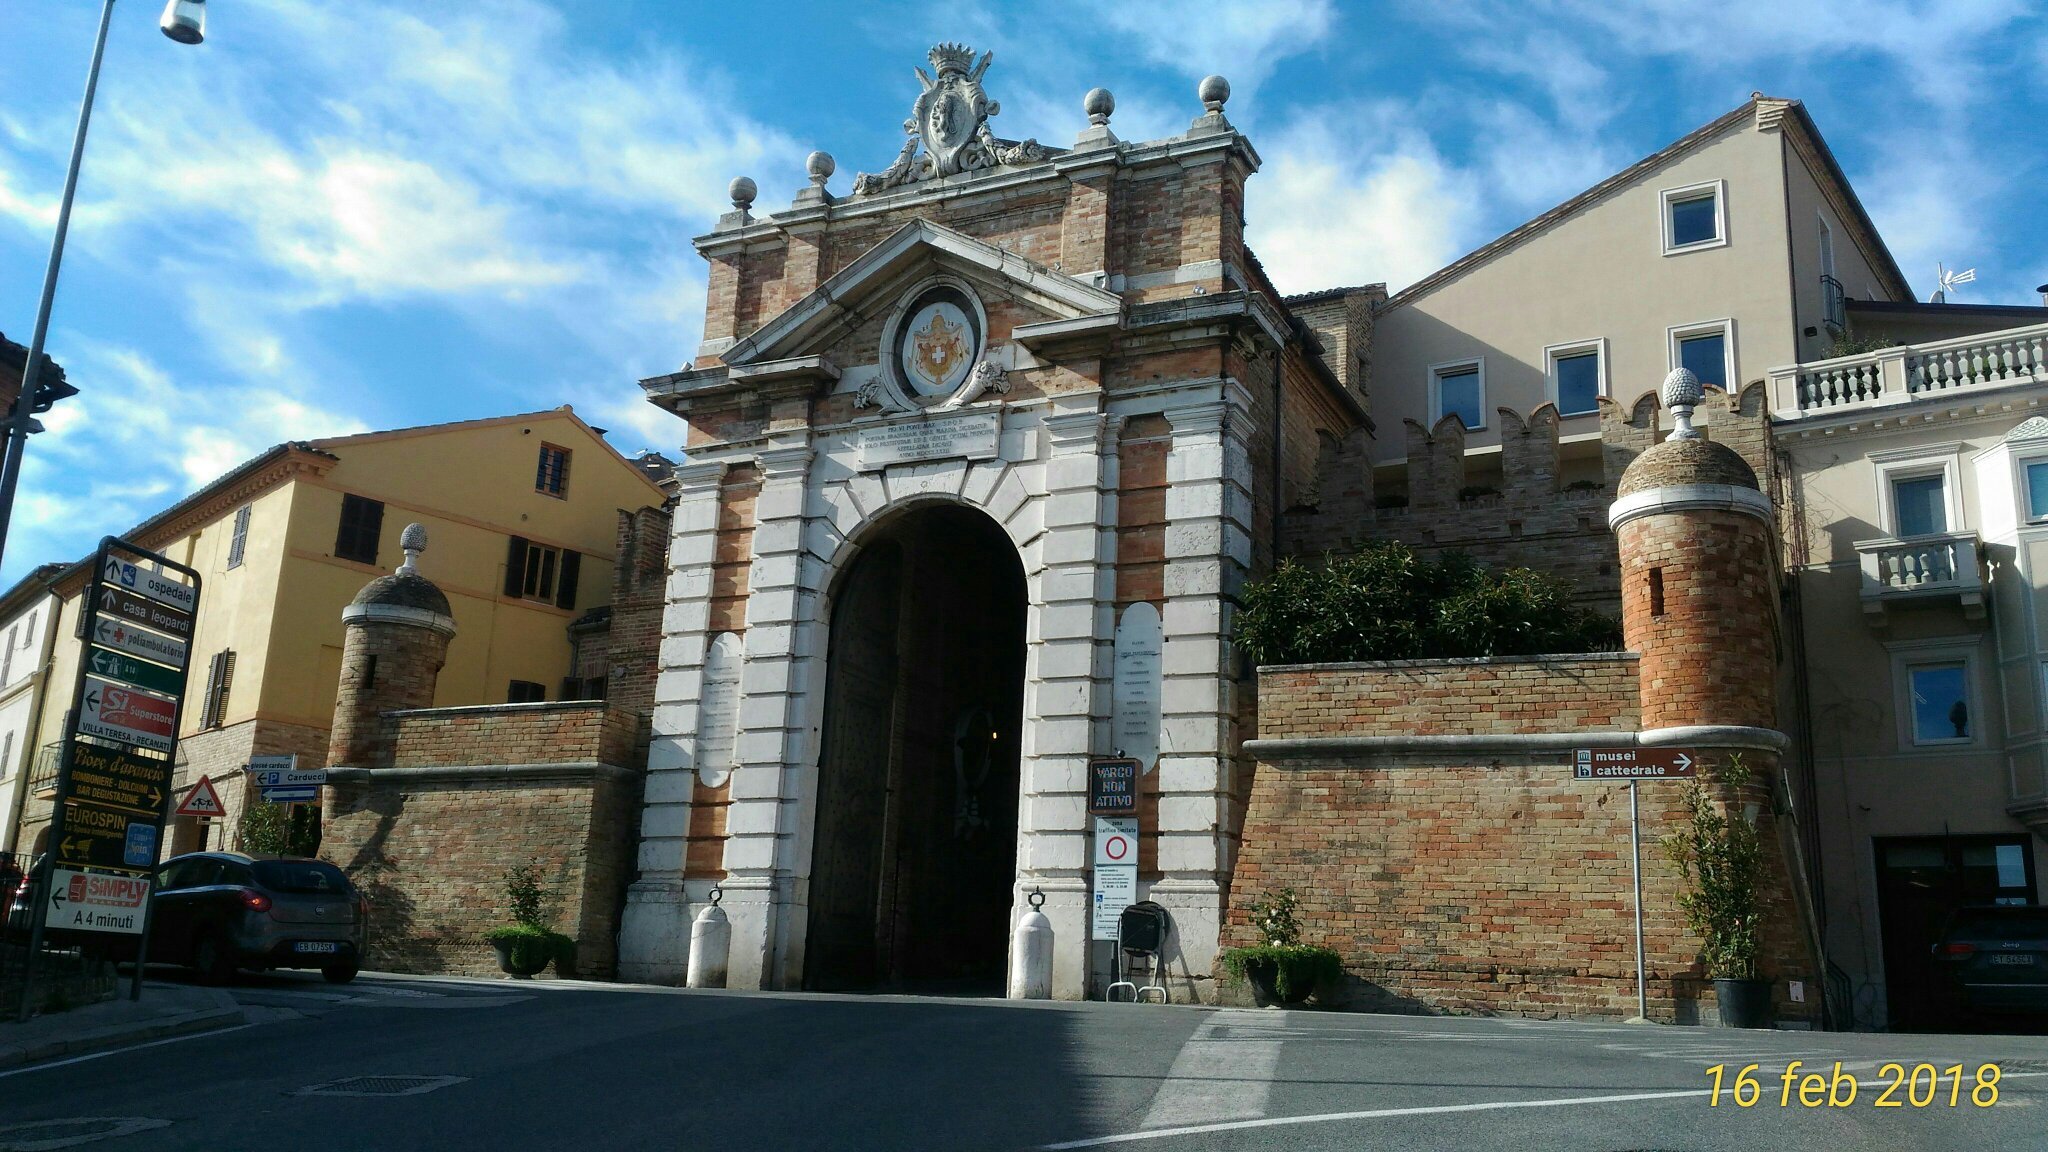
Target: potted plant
point(1281, 969)
point(527, 945)
point(1721, 858)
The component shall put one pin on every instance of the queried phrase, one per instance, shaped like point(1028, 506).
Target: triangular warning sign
point(202, 800)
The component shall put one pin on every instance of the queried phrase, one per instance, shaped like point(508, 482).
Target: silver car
point(220, 911)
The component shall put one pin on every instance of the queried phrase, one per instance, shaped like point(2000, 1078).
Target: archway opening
point(916, 839)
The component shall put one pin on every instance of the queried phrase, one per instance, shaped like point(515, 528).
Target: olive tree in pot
point(526, 945)
point(1281, 969)
point(1721, 858)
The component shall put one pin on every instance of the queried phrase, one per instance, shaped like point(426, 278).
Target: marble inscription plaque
point(974, 435)
point(1135, 685)
point(718, 710)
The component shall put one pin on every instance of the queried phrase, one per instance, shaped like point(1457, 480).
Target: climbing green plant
point(1720, 856)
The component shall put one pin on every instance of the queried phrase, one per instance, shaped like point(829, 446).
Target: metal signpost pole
point(1635, 863)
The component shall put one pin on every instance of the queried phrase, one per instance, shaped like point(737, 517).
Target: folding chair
point(1141, 933)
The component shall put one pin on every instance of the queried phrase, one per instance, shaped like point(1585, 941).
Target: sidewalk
point(165, 1010)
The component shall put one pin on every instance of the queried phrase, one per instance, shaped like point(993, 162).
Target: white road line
point(1214, 1078)
point(118, 1051)
point(1425, 1110)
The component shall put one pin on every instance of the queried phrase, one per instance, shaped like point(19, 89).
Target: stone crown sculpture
point(949, 120)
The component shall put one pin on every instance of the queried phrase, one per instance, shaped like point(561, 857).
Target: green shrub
point(1299, 968)
point(280, 829)
point(1386, 603)
point(1721, 859)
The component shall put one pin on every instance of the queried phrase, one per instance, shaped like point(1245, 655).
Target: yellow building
point(522, 512)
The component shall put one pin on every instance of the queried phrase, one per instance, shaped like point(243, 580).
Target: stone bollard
point(1031, 954)
point(710, 945)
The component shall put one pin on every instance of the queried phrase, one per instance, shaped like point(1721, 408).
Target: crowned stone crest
point(950, 121)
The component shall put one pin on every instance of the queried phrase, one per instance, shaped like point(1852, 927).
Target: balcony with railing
point(1942, 370)
point(1834, 306)
point(42, 778)
point(1944, 566)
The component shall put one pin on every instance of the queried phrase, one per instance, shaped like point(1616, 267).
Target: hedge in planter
point(1387, 603)
point(528, 945)
point(1282, 969)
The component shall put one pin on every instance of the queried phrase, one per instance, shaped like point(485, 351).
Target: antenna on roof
point(1947, 281)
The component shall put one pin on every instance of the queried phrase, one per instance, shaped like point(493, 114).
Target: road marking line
point(118, 1051)
point(1425, 1110)
point(1214, 1078)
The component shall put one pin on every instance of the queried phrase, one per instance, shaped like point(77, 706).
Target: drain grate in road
point(380, 1086)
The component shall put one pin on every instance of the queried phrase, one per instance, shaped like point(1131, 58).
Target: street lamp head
point(184, 21)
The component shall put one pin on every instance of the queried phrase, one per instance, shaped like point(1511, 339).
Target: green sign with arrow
point(141, 673)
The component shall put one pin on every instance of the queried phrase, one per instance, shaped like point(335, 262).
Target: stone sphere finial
point(1213, 91)
point(412, 541)
point(742, 191)
point(1098, 104)
point(820, 166)
point(1682, 393)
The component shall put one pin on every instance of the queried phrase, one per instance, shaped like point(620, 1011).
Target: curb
point(226, 1013)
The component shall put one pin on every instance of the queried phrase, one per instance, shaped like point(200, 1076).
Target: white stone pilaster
point(1207, 550)
point(654, 931)
point(1066, 692)
point(780, 605)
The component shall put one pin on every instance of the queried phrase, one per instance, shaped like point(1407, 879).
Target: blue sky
point(333, 217)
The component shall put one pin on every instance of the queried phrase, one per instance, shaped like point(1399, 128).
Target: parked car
point(1994, 960)
point(219, 911)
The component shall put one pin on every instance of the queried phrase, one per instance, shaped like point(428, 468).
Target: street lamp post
point(185, 22)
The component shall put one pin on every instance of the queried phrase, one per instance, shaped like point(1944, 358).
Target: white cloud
point(1347, 199)
point(1244, 41)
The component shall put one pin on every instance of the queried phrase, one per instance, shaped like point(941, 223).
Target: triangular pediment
point(914, 252)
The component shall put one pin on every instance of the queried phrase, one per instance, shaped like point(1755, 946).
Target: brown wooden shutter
point(565, 579)
point(515, 568)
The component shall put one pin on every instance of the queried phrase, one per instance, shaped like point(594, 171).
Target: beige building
point(522, 511)
point(1732, 250)
point(1917, 542)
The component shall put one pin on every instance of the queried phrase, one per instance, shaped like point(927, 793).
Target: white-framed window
point(1458, 386)
point(2034, 489)
point(1919, 491)
point(1707, 348)
point(1936, 692)
point(1694, 216)
point(1577, 375)
point(1827, 247)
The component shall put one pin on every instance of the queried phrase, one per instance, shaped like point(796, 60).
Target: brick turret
point(397, 632)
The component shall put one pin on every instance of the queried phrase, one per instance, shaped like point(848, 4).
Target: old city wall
point(430, 837)
point(1529, 515)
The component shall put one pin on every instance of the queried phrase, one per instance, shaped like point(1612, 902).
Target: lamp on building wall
point(185, 22)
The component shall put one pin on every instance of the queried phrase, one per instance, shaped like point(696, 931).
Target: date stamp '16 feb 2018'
point(1897, 1085)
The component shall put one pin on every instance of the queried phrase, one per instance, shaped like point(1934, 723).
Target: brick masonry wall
point(1704, 570)
point(547, 733)
point(1462, 887)
point(432, 857)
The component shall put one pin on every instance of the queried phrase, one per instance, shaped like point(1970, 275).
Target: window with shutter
point(565, 579)
point(238, 544)
point(515, 567)
point(220, 678)
point(362, 522)
point(525, 692)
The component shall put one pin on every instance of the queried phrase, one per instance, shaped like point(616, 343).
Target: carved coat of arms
point(950, 119)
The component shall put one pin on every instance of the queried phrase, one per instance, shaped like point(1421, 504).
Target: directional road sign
point(113, 711)
point(121, 636)
point(91, 902)
point(202, 800)
point(140, 673)
point(156, 586)
point(281, 778)
point(102, 836)
point(1635, 763)
point(136, 610)
point(119, 778)
point(290, 794)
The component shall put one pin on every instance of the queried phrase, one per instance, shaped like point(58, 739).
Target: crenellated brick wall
point(550, 732)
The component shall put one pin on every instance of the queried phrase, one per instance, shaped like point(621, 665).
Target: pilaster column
point(1066, 694)
point(1208, 552)
point(654, 933)
point(759, 836)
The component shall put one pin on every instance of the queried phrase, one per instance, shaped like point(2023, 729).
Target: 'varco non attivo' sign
point(1634, 763)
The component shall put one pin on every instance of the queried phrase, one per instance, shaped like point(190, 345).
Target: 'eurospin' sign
point(94, 902)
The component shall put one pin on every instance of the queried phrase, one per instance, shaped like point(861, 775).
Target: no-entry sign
point(1634, 763)
point(1116, 840)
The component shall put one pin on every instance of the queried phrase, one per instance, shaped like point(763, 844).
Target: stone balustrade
point(1941, 565)
point(1909, 372)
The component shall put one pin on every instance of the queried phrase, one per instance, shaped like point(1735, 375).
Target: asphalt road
point(504, 1066)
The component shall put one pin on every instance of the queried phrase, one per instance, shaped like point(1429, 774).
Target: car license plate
point(316, 946)
point(2021, 959)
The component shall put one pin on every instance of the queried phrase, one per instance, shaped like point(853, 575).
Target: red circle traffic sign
point(1116, 847)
